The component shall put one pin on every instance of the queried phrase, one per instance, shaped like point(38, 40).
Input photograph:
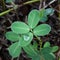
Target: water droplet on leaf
point(26, 37)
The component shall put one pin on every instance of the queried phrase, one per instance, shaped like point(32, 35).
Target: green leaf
point(26, 39)
point(44, 19)
point(46, 50)
point(42, 30)
point(49, 11)
point(44, 56)
point(48, 57)
point(12, 36)
point(37, 57)
point(54, 49)
point(42, 13)
point(35, 45)
point(33, 18)
point(43, 16)
point(47, 44)
point(53, 55)
point(15, 50)
point(30, 50)
point(9, 1)
point(19, 27)
point(47, 54)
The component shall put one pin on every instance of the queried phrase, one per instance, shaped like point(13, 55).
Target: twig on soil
point(56, 11)
point(40, 6)
point(15, 10)
point(12, 58)
point(7, 11)
point(4, 42)
point(50, 3)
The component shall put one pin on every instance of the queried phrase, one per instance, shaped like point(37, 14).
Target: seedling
point(22, 34)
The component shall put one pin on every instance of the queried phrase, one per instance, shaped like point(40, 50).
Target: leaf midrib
point(15, 49)
point(39, 31)
point(22, 28)
point(32, 20)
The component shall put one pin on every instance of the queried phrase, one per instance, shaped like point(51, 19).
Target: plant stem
point(29, 2)
point(40, 41)
point(59, 58)
point(7, 11)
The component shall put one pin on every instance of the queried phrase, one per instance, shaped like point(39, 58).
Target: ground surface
point(20, 14)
